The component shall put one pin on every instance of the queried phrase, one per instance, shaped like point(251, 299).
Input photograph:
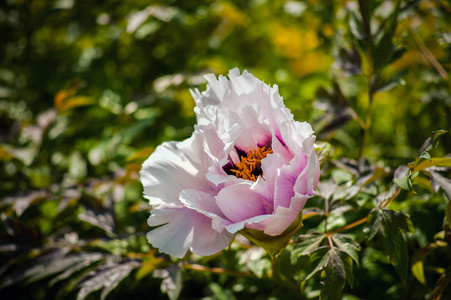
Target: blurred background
point(89, 88)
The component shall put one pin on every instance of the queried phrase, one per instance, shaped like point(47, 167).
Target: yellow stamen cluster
point(250, 166)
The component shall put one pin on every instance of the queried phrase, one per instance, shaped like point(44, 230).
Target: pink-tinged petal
point(253, 223)
point(294, 134)
point(308, 179)
point(278, 147)
point(201, 202)
point(238, 202)
point(174, 167)
point(182, 229)
point(283, 216)
point(284, 186)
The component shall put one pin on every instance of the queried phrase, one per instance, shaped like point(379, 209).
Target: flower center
point(250, 165)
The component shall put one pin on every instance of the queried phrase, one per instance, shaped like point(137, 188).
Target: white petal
point(182, 229)
point(173, 167)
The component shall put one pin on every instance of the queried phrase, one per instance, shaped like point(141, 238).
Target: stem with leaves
point(382, 205)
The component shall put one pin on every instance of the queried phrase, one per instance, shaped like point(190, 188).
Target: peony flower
point(248, 166)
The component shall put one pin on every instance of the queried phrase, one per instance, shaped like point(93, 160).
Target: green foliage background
point(89, 88)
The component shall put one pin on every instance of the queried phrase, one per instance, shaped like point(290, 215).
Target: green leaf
point(256, 261)
point(347, 244)
point(323, 150)
point(337, 266)
point(335, 278)
point(306, 244)
point(395, 248)
point(383, 43)
point(390, 224)
point(419, 256)
point(374, 224)
point(420, 165)
point(402, 178)
point(272, 244)
point(431, 142)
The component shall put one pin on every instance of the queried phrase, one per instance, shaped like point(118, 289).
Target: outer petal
point(187, 229)
point(173, 167)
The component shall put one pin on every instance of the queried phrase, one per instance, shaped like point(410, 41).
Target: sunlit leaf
point(306, 244)
point(402, 178)
point(347, 244)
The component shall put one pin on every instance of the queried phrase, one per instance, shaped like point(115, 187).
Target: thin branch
point(384, 205)
point(203, 269)
point(349, 226)
point(363, 220)
point(427, 53)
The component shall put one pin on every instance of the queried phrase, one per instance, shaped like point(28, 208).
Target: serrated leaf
point(337, 266)
point(106, 277)
point(86, 259)
point(347, 244)
point(43, 266)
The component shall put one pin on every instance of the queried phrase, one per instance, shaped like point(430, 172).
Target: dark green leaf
point(334, 277)
point(347, 244)
point(337, 266)
point(306, 244)
point(374, 224)
point(383, 44)
point(318, 260)
point(395, 248)
point(390, 224)
point(106, 277)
